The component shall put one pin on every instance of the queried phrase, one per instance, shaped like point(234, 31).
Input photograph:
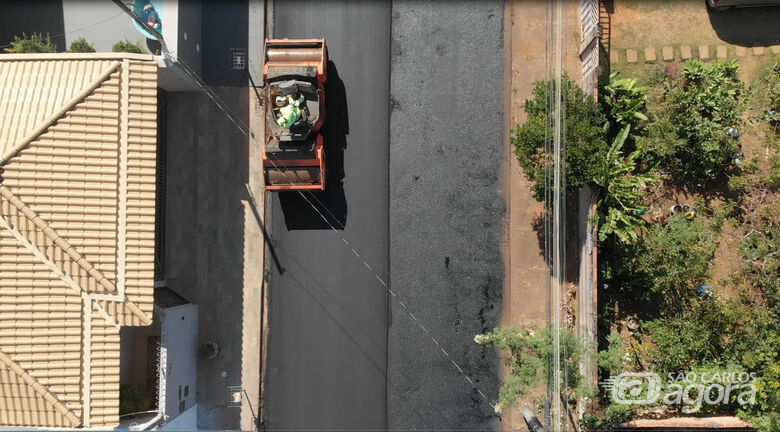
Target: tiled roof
point(77, 202)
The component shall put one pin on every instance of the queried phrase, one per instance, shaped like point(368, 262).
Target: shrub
point(36, 43)
point(528, 352)
point(133, 399)
point(760, 249)
point(664, 266)
point(612, 359)
point(584, 135)
point(773, 114)
point(676, 258)
point(702, 105)
point(81, 45)
point(691, 338)
point(750, 178)
point(129, 47)
point(614, 415)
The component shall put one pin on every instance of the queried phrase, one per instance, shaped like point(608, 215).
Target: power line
point(554, 195)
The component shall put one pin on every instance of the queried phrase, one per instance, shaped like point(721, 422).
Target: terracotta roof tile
point(77, 200)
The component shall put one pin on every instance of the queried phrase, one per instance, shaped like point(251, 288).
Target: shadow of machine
point(326, 208)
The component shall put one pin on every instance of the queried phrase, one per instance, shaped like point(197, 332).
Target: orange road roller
point(295, 72)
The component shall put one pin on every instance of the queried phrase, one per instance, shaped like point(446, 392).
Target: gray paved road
point(446, 209)
point(328, 315)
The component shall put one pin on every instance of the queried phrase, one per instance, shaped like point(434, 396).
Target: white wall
point(179, 335)
point(100, 22)
point(187, 421)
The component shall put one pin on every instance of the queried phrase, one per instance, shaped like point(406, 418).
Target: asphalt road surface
point(327, 355)
point(446, 211)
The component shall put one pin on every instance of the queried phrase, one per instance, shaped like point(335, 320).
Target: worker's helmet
point(281, 101)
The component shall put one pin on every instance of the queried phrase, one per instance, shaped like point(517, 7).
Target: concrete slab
point(685, 52)
point(776, 49)
point(740, 51)
point(759, 50)
point(704, 52)
point(668, 53)
point(650, 54)
point(255, 311)
point(721, 51)
point(631, 56)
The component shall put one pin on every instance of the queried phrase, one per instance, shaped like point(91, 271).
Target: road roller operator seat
point(294, 90)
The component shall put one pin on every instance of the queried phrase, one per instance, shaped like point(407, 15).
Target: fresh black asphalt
point(328, 313)
point(446, 210)
point(418, 152)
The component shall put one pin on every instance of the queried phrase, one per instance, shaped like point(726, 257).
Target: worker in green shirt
point(289, 110)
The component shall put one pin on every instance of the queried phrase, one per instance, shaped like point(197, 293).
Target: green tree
point(584, 135)
point(36, 43)
point(81, 45)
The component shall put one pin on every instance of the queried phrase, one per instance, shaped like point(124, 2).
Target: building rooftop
point(77, 209)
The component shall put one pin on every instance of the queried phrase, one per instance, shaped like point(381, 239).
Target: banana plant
point(625, 100)
point(619, 192)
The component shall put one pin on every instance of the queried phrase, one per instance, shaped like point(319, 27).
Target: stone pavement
point(214, 245)
point(670, 53)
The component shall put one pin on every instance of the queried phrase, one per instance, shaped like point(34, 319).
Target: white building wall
point(186, 421)
point(100, 22)
point(179, 335)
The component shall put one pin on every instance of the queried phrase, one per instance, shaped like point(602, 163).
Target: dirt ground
point(645, 36)
point(525, 293)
